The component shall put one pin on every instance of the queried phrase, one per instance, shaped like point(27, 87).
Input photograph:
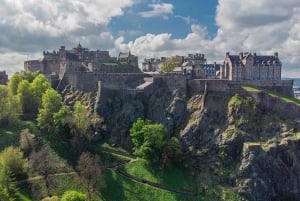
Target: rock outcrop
point(231, 141)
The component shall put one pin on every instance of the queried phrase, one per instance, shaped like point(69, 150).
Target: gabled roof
point(262, 59)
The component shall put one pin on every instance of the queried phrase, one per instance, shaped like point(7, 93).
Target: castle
point(193, 65)
point(246, 66)
point(66, 64)
point(87, 71)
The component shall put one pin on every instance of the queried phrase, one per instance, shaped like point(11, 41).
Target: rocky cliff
point(227, 140)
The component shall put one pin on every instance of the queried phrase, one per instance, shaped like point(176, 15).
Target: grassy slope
point(173, 176)
point(118, 187)
point(284, 98)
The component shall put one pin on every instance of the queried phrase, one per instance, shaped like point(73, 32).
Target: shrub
point(53, 198)
point(73, 196)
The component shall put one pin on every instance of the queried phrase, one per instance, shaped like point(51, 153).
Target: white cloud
point(159, 9)
point(263, 26)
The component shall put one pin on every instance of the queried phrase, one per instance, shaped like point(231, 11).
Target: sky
point(151, 28)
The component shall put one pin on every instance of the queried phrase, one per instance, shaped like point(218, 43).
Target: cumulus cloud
point(159, 9)
point(41, 22)
point(264, 27)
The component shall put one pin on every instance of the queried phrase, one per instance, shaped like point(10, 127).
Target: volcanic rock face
point(232, 140)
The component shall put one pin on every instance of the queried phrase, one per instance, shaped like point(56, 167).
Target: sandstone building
point(247, 66)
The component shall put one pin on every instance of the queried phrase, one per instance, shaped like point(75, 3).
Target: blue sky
point(151, 28)
point(178, 22)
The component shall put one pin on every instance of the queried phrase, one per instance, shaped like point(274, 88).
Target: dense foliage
point(148, 139)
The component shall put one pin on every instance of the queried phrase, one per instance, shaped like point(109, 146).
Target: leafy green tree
point(12, 165)
point(171, 152)
point(51, 104)
point(39, 85)
point(79, 124)
point(14, 82)
point(25, 95)
point(90, 173)
point(8, 188)
point(167, 66)
point(148, 140)
point(136, 134)
point(12, 159)
point(73, 196)
point(9, 107)
point(62, 121)
point(81, 119)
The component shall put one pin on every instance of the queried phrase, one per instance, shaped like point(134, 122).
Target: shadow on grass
point(114, 187)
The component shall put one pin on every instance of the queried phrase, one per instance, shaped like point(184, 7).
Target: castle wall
point(88, 81)
point(226, 86)
point(172, 80)
point(277, 106)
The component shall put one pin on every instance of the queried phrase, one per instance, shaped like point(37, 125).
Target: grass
point(173, 176)
point(9, 135)
point(284, 98)
point(62, 184)
point(119, 188)
point(251, 88)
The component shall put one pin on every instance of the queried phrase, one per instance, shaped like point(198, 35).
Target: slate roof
point(257, 59)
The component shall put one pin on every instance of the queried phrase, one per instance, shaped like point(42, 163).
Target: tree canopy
point(51, 104)
point(148, 139)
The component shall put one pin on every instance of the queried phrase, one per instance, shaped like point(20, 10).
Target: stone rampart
point(231, 87)
point(88, 81)
point(172, 80)
point(282, 108)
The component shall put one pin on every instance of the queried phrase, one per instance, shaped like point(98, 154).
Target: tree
point(44, 163)
point(25, 95)
point(81, 119)
point(167, 66)
point(148, 140)
point(62, 121)
point(8, 188)
point(90, 173)
point(27, 142)
point(12, 165)
point(51, 104)
point(12, 159)
point(14, 82)
point(73, 196)
point(9, 107)
point(39, 85)
point(53, 198)
point(171, 151)
point(79, 124)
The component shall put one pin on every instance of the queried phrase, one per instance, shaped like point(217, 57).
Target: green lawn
point(120, 188)
point(251, 88)
point(282, 97)
point(9, 135)
point(173, 176)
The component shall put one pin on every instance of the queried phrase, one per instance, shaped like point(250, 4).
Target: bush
point(53, 198)
point(12, 159)
point(73, 196)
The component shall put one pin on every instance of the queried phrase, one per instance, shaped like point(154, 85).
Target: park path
point(117, 167)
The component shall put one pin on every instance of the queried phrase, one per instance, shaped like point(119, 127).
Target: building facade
point(247, 66)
